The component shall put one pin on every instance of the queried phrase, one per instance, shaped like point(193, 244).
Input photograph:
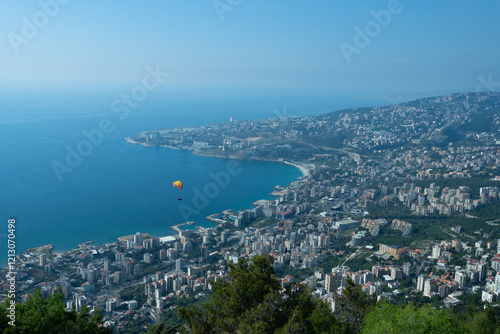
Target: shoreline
point(304, 170)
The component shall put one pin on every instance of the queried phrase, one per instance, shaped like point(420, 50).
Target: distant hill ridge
point(478, 97)
point(432, 121)
point(472, 119)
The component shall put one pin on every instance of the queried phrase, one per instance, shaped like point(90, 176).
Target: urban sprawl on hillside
point(402, 199)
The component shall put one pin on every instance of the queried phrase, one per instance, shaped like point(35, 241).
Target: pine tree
point(48, 316)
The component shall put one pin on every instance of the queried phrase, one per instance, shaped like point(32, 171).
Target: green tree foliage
point(484, 322)
point(161, 328)
point(47, 316)
point(254, 303)
point(388, 319)
point(355, 305)
point(324, 321)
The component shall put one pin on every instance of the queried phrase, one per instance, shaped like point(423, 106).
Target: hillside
point(468, 118)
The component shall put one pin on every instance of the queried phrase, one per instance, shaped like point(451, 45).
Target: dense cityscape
point(403, 200)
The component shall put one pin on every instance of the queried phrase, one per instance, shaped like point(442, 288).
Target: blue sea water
point(120, 188)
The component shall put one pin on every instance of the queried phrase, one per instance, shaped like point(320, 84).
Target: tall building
point(420, 282)
point(367, 276)
point(160, 302)
point(204, 252)
point(193, 271)
point(43, 260)
point(482, 267)
point(155, 242)
point(333, 281)
point(437, 251)
point(312, 283)
point(396, 273)
point(148, 258)
point(163, 255)
point(83, 273)
point(119, 256)
point(138, 239)
point(91, 275)
point(106, 264)
point(496, 285)
point(177, 283)
point(146, 244)
point(79, 300)
point(108, 279)
point(188, 247)
point(172, 254)
point(473, 275)
point(180, 264)
point(169, 282)
point(177, 246)
point(429, 287)
point(461, 277)
point(111, 305)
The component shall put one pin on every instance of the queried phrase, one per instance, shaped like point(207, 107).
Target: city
point(402, 200)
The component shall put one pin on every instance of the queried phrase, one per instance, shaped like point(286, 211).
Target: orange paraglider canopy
point(178, 184)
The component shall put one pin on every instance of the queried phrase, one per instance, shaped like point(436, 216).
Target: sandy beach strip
point(303, 169)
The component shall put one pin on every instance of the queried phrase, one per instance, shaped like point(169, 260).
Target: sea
point(117, 188)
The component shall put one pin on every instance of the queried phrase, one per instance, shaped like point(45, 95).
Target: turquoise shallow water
point(119, 188)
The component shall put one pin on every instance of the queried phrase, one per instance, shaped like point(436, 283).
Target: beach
point(305, 171)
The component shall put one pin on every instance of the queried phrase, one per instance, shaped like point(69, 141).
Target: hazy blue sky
point(428, 45)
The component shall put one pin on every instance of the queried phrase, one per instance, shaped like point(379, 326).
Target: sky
point(366, 48)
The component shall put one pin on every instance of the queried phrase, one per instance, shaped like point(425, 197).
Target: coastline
point(304, 170)
point(302, 166)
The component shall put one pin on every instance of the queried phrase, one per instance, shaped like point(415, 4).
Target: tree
point(161, 328)
point(46, 316)
point(355, 305)
point(251, 282)
point(254, 303)
point(394, 319)
point(487, 321)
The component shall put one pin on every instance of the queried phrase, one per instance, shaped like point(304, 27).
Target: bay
point(118, 188)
